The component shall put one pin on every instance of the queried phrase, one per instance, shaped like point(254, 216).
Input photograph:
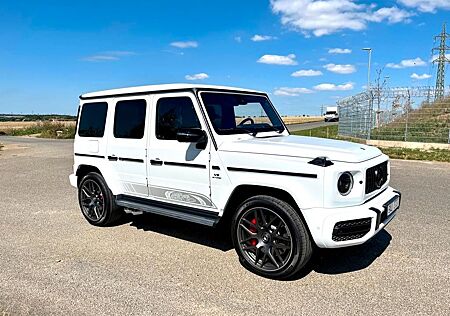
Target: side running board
point(186, 213)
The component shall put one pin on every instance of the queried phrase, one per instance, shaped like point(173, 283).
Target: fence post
point(406, 126)
point(369, 128)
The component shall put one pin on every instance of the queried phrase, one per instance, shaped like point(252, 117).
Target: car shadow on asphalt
point(207, 236)
point(350, 259)
point(324, 261)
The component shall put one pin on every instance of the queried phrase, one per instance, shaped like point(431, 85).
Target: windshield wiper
point(250, 132)
point(278, 130)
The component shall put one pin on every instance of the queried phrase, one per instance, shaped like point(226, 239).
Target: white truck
point(212, 154)
point(332, 114)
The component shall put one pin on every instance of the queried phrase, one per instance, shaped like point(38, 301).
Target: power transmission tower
point(441, 60)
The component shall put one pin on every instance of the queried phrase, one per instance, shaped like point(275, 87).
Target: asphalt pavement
point(53, 262)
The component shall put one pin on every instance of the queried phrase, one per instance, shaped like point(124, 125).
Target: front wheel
point(97, 201)
point(270, 237)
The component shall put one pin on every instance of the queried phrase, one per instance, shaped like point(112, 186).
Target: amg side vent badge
point(321, 161)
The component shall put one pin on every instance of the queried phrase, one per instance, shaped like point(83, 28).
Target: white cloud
point(391, 15)
point(186, 44)
point(324, 17)
point(334, 87)
point(238, 39)
point(292, 92)
point(109, 56)
point(420, 77)
point(427, 5)
point(407, 63)
point(306, 73)
point(340, 69)
point(339, 51)
point(261, 38)
point(199, 76)
point(288, 60)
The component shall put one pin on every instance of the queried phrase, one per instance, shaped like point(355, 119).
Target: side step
point(185, 213)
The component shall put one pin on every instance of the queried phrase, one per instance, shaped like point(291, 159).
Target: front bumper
point(330, 227)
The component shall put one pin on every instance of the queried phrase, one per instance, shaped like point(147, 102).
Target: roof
point(157, 88)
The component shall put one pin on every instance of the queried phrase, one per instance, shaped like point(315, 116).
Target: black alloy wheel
point(264, 239)
point(97, 202)
point(92, 200)
point(270, 237)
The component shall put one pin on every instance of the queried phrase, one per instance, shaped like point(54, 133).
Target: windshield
point(331, 112)
point(240, 113)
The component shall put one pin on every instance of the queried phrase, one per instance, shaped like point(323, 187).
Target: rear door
point(178, 172)
point(127, 145)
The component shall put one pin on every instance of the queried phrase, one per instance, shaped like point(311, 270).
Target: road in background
point(53, 262)
point(303, 126)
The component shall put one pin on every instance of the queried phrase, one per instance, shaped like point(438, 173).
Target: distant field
point(4, 126)
point(66, 129)
point(301, 119)
point(46, 129)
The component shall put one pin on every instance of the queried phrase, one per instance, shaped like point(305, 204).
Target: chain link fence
point(398, 114)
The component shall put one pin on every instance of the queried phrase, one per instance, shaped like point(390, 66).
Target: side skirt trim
point(186, 213)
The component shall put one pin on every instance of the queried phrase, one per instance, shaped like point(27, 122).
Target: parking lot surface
point(53, 262)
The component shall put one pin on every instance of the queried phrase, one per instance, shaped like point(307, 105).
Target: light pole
point(369, 128)
point(369, 50)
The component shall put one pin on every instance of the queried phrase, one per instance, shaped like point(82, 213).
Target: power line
point(441, 60)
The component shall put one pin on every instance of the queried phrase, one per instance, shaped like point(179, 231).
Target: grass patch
point(44, 130)
point(323, 132)
point(417, 154)
point(394, 152)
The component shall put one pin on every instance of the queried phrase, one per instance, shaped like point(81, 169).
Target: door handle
point(156, 162)
point(112, 158)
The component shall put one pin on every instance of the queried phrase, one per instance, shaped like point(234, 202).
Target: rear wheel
point(270, 237)
point(97, 201)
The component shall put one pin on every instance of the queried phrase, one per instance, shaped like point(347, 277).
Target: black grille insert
point(376, 176)
point(353, 229)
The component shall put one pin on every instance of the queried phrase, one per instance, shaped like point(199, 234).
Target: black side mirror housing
point(193, 135)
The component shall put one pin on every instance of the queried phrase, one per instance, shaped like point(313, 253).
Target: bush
point(45, 130)
point(57, 130)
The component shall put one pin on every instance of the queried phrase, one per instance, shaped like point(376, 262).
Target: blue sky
point(52, 51)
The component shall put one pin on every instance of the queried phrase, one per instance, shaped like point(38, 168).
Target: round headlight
point(345, 183)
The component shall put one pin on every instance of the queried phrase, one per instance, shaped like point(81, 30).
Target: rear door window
point(129, 119)
point(93, 119)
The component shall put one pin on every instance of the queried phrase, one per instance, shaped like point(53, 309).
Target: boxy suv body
point(206, 154)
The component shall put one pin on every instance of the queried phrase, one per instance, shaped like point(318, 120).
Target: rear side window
point(92, 119)
point(173, 114)
point(129, 119)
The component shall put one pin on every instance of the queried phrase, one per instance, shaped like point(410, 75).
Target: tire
point(263, 228)
point(97, 202)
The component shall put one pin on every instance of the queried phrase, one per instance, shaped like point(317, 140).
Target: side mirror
point(192, 135)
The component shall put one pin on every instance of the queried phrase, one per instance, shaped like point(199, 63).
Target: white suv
point(206, 154)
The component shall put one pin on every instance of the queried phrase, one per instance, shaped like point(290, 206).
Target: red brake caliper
point(253, 242)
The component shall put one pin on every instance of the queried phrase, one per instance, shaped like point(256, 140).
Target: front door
point(177, 172)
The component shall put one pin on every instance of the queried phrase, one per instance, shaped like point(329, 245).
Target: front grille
point(376, 176)
point(352, 229)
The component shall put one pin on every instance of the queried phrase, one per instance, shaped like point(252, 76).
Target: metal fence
point(400, 114)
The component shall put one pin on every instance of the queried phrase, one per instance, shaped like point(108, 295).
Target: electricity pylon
point(441, 60)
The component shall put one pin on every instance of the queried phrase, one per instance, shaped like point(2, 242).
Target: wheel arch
point(243, 192)
point(83, 170)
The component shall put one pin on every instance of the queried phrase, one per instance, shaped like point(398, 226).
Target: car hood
point(303, 147)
